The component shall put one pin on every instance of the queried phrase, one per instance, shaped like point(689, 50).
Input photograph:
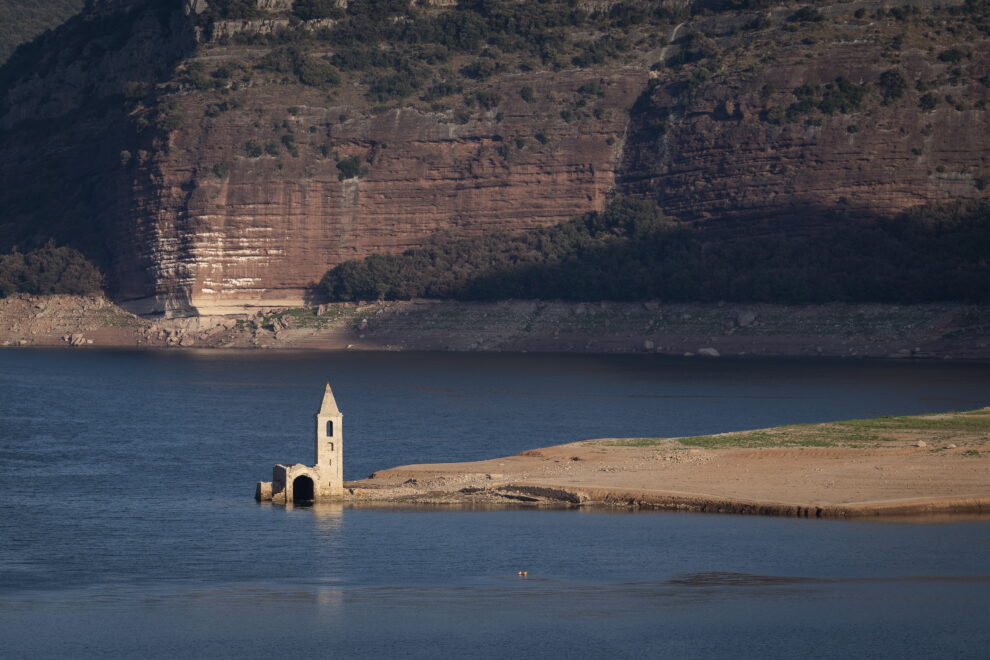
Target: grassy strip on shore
point(963, 429)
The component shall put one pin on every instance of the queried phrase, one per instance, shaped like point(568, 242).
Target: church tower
point(329, 442)
point(303, 484)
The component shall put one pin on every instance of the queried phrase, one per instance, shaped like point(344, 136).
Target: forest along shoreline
point(933, 331)
point(888, 466)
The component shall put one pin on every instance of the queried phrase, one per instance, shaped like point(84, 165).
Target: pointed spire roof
point(329, 405)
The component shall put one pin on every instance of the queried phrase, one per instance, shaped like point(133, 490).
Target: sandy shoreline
point(949, 474)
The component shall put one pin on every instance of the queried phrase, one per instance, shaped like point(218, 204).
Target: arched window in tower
point(330, 428)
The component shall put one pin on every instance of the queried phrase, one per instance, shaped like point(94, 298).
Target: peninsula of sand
point(888, 466)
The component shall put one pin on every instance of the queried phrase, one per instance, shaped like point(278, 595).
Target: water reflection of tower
point(328, 516)
point(328, 522)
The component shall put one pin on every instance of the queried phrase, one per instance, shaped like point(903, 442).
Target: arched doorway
point(302, 489)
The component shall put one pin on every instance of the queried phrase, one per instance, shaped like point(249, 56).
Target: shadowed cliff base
point(889, 466)
point(631, 251)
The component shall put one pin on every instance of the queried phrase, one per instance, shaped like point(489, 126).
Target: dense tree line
point(632, 252)
point(48, 270)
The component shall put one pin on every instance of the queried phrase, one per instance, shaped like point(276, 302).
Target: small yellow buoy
point(522, 573)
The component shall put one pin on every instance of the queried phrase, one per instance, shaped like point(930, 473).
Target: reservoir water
point(128, 528)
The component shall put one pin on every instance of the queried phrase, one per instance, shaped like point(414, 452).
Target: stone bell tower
point(329, 441)
point(298, 484)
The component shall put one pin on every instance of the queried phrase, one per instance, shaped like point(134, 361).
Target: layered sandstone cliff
point(265, 228)
point(208, 183)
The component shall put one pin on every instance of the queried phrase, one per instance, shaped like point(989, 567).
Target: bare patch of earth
point(885, 466)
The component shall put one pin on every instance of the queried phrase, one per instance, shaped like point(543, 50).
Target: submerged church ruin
point(307, 483)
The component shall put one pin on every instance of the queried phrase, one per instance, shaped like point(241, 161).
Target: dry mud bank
point(834, 330)
point(936, 464)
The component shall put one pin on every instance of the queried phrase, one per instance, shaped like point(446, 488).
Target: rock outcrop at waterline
point(205, 182)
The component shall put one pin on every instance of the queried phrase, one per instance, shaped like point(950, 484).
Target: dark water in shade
point(127, 527)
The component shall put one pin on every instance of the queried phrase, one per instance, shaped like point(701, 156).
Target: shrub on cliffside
point(48, 270)
point(313, 71)
point(351, 167)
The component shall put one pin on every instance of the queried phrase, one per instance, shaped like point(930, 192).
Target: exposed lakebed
point(128, 527)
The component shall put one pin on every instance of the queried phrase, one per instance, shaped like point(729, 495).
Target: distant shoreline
point(887, 467)
point(706, 330)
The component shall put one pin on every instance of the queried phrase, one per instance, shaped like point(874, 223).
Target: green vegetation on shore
point(632, 252)
point(970, 428)
point(48, 270)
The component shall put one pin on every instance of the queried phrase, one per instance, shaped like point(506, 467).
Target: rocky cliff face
point(69, 110)
point(233, 226)
point(753, 129)
point(217, 178)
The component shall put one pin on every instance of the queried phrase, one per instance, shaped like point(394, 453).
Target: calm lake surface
point(128, 528)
